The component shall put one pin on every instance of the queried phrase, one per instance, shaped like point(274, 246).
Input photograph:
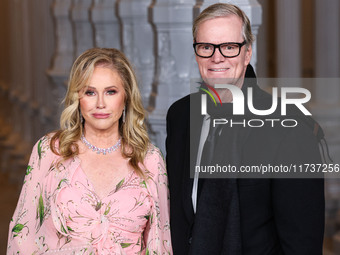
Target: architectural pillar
point(138, 42)
point(106, 24)
point(82, 27)
point(64, 52)
point(173, 22)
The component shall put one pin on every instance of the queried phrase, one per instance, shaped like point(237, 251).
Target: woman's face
point(102, 101)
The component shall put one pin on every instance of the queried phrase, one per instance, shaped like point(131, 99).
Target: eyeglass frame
point(219, 48)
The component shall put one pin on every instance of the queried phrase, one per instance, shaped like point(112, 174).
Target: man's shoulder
point(182, 105)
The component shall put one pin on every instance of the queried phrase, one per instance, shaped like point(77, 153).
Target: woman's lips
point(101, 115)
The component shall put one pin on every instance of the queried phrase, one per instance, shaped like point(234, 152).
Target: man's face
point(219, 69)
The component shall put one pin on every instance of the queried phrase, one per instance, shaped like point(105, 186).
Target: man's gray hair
point(224, 10)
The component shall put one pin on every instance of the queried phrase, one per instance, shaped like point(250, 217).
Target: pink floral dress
point(58, 211)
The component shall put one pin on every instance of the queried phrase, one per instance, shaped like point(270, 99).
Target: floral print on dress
point(59, 212)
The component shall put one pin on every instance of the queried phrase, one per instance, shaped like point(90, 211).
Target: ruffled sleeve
point(25, 231)
point(157, 234)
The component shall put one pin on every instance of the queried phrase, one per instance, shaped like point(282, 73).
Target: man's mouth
point(218, 69)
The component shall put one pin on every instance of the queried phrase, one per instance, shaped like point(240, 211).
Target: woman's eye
point(111, 92)
point(89, 93)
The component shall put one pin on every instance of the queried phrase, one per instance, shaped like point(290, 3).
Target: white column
point(106, 24)
point(173, 24)
point(63, 55)
point(251, 8)
point(166, 74)
point(126, 16)
point(138, 42)
point(80, 13)
point(288, 38)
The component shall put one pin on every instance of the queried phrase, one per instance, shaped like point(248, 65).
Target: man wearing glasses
point(251, 216)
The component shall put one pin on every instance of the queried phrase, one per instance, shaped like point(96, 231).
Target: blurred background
point(39, 40)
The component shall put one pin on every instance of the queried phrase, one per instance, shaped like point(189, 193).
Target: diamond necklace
point(100, 150)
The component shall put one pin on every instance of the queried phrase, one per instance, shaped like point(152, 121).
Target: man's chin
point(214, 81)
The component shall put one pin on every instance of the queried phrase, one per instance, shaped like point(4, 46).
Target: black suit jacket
point(278, 216)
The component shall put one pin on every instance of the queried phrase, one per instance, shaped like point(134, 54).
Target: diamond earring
point(81, 117)
point(124, 115)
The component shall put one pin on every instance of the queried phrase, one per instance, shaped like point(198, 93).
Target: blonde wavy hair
point(134, 136)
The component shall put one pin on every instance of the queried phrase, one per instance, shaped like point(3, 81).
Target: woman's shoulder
point(153, 152)
point(154, 161)
point(43, 144)
point(44, 141)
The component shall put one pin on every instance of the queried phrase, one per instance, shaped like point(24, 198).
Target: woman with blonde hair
point(97, 185)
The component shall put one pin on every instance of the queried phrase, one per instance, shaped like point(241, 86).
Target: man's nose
point(217, 57)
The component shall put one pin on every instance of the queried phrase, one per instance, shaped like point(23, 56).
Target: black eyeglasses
point(228, 50)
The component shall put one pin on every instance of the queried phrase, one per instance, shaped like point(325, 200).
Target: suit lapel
point(194, 126)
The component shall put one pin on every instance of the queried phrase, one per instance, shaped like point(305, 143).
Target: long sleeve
point(25, 233)
point(157, 234)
